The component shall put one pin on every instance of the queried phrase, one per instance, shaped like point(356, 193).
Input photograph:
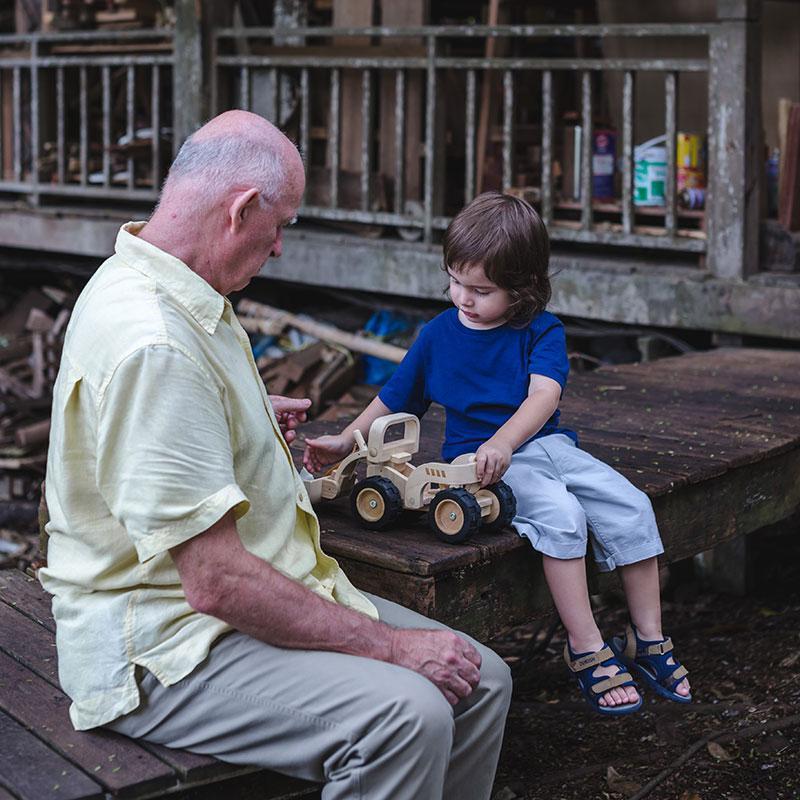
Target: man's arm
point(223, 579)
point(494, 455)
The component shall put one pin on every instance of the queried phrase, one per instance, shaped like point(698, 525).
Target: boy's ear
point(238, 208)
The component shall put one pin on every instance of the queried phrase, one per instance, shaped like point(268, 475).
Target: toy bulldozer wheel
point(503, 508)
point(454, 515)
point(375, 503)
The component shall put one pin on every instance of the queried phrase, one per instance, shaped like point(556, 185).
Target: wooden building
point(644, 137)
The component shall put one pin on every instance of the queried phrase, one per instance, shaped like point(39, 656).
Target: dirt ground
point(744, 660)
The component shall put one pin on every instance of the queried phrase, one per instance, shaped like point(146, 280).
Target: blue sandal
point(593, 687)
point(648, 659)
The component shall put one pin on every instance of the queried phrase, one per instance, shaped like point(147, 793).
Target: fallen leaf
point(506, 793)
point(719, 752)
point(791, 660)
point(621, 785)
point(690, 795)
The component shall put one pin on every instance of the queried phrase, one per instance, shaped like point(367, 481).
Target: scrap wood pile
point(325, 363)
point(31, 338)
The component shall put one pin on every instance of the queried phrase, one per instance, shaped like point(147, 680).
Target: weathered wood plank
point(28, 642)
point(24, 593)
point(32, 771)
point(114, 761)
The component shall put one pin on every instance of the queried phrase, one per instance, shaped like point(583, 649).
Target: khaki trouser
point(364, 728)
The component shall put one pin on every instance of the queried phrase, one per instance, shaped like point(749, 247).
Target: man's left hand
point(290, 412)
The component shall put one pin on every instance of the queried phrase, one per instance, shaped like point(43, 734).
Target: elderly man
point(194, 606)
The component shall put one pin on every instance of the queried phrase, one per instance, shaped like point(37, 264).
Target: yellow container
point(690, 160)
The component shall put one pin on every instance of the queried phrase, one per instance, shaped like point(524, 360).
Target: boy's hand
point(492, 460)
point(290, 412)
point(326, 450)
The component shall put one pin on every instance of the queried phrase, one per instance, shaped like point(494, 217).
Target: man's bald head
point(235, 149)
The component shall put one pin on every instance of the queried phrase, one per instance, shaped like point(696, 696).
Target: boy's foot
point(604, 681)
point(653, 662)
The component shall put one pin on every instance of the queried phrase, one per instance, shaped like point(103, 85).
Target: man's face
point(260, 235)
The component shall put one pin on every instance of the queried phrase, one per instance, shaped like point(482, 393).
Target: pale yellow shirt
point(161, 424)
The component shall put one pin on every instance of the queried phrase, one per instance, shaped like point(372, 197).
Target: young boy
point(498, 364)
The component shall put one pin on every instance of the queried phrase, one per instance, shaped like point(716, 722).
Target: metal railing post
point(734, 140)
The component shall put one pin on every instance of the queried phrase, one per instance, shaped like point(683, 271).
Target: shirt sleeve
point(548, 353)
point(164, 457)
point(406, 389)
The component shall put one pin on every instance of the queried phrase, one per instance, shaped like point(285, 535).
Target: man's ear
point(236, 210)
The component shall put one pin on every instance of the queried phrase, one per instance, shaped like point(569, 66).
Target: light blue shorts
point(561, 491)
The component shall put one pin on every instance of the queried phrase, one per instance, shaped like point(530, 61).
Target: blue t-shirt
point(481, 377)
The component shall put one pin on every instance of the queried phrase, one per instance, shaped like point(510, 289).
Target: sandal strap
point(590, 660)
point(658, 649)
point(679, 673)
point(620, 679)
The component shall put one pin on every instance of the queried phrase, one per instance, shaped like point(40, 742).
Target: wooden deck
point(712, 437)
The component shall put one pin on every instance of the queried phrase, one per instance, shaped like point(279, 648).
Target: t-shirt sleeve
point(406, 389)
point(164, 457)
point(548, 352)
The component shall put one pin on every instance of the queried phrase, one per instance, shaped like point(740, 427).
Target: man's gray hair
point(223, 161)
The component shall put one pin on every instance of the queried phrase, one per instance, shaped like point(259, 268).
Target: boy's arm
point(494, 455)
point(327, 449)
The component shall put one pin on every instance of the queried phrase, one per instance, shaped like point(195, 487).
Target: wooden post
point(187, 72)
point(735, 157)
point(730, 566)
point(403, 13)
point(346, 14)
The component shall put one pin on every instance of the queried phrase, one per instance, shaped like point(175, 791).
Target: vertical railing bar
point(2, 136)
point(586, 152)
point(155, 126)
point(469, 139)
point(17, 123)
point(304, 127)
point(333, 137)
point(83, 123)
point(430, 124)
point(130, 97)
point(60, 126)
point(275, 79)
point(627, 151)
point(547, 147)
point(214, 75)
point(508, 128)
point(106, 77)
point(366, 137)
point(670, 110)
point(244, 88)
point(34, 75)
point(399, 140)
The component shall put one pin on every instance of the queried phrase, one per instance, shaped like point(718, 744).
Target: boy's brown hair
point(508, 238)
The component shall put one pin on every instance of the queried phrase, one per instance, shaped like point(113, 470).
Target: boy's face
point(481, 304)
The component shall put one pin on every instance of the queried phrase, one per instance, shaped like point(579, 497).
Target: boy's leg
point(640, 582)
point(365, 728)
point(552, 518)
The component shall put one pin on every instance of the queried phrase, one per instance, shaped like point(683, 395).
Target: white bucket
point(650, 172)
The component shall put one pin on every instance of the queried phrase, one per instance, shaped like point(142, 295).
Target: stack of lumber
point(31, 338)
point(322, 370)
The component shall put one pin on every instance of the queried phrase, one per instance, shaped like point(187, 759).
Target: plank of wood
point(26, 594)
point(53, 777)
point(29, 643)
point(115, 761)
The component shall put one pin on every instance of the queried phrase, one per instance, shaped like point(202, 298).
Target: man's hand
point(451, 663)
point(326, 450)
point(492, 460)
point(289, 412)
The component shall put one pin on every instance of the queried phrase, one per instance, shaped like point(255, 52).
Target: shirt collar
point(197, 296)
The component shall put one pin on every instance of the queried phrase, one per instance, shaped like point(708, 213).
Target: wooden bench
point(713, 438)
point(42, 757)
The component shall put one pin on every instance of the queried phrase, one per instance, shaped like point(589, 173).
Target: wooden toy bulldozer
point(457, 505)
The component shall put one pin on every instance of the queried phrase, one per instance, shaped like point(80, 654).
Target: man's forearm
point(255, 598)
